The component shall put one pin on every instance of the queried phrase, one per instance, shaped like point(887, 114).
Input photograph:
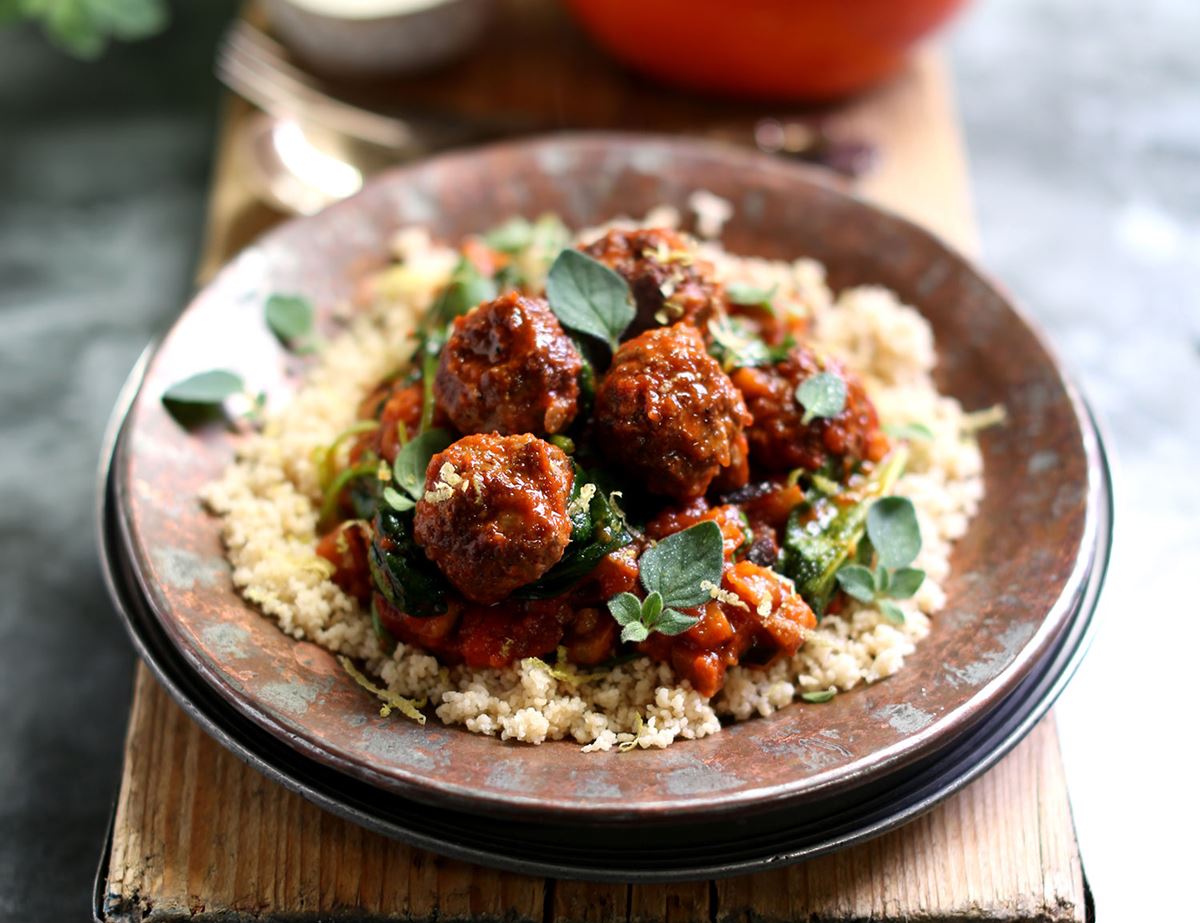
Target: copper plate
point(1017, 574)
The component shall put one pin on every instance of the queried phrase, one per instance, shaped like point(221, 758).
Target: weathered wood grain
point(200, 836)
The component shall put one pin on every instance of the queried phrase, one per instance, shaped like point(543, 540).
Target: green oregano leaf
point(290, 318)
point(205, 388)
point(511, 237)
point(734, 344)
point(679, 566)
point(819, 696)
point(588, 297)
point(396, 500)
point(635, 632)
point(893, 529)
point(674, 622)
point(909, 431)
point(857, 581)
point(822, 395)
point(467, 288)
point(905, 582)
point(625, 608)
point(652, 607)
point(412, 461)
point(891, 611)
point(753, 296)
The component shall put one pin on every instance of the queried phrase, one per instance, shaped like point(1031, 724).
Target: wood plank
point(200, 836)
point(238, 843)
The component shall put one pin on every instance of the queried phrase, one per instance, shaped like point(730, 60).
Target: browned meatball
point(667, 413)
point(494, 513)
point(667, 281)
point(509, 368)
point(780, 441)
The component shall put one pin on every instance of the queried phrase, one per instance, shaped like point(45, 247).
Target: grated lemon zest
point(410, 708)
point(626, 745)
point(723, 595)
point(581, 503)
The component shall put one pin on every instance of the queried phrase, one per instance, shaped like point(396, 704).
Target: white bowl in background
point(375, 37)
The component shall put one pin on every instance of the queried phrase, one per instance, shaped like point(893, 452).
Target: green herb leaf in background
point(467, 288)
point(735, 345)
point(290, 318)
point(823, 395)
point(511, 237)
point(83, 28)
point(752, 296)
point(588, 297)
point(909, 431)
point(205, 388)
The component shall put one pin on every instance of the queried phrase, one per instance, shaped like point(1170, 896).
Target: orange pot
point(778, 49)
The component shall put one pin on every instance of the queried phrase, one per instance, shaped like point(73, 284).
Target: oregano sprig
point(822, 395)
point(588, 297)
point(676, 573)
point(895, 536)
point(735, 345)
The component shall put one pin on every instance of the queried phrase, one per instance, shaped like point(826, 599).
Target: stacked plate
point(803, 781)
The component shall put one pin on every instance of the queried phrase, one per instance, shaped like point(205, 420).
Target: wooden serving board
point(199, 835)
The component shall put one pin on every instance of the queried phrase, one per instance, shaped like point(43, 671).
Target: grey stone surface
point(1083, 126)
point(102, 181)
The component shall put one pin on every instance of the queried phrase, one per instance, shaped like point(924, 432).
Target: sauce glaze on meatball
point(508, 367)
point(666, 412)
point(494, 513)
point(668, 282)
point(780, 440)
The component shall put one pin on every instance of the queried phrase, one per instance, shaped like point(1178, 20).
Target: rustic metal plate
point(607, 853)
point(1017, 575)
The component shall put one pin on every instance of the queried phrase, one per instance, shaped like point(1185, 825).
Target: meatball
point(780, 440)
point(667, 281)
point(666, 412)
point(509, 368)
point(494, 513)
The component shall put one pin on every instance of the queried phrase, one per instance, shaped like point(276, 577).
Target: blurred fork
point(256, 67)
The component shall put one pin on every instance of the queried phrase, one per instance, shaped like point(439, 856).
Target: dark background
point(1083, 127)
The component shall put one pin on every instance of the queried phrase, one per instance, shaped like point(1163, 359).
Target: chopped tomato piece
point(734, 527)
point(346, 549)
